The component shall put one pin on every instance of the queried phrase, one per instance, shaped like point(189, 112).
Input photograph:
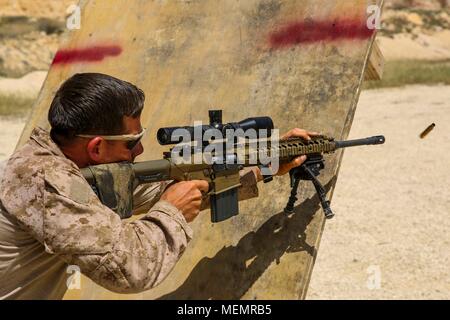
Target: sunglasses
point(132, 139)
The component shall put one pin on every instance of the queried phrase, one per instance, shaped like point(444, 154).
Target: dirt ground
point(389, 238)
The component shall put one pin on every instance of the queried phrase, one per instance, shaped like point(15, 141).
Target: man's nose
point(137, 150)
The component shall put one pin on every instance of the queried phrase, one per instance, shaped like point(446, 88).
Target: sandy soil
point(389, 238)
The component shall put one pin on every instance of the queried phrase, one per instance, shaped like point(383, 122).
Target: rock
point(415, 19)
point(418, 4)
point(41, 8)
point(21, 56)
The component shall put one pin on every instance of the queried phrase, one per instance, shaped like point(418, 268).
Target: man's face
point(119, 150)
point(102, 151)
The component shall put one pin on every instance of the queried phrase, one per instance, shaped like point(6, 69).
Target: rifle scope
point(168, 135)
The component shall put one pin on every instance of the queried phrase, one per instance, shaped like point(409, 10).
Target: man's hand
point(187, 197)
point(295, 133)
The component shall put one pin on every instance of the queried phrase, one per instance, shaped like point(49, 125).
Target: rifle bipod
point(308, 171)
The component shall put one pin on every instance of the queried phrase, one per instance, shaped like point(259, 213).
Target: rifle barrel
point(360, 142)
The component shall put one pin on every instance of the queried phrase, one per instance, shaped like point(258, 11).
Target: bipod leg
point(295, 181)
point(321, 193)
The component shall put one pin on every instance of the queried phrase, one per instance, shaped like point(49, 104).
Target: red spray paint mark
point(91, 54)
point(315, 31)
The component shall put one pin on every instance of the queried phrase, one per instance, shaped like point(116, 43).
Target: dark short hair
point(93, 103)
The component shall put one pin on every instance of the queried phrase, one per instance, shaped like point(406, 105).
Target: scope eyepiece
point(169, 135)
point(164, 136)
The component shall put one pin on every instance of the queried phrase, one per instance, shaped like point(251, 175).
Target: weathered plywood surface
point(375, 67)
point(299, 62)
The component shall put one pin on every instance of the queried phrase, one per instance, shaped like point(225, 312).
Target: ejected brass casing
point(427, 131)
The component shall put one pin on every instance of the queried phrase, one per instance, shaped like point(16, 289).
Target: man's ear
point(96, 150)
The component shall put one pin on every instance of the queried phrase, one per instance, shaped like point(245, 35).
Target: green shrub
point(15, 106)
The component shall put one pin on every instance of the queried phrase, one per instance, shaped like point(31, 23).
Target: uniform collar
point(42, 137)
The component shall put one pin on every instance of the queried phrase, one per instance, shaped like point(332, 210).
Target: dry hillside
point(54, 9)
point(29, 32)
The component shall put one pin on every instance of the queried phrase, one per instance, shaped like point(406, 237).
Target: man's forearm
point(142, 253)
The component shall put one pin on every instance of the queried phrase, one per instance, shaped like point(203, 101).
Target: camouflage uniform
point(50, 218)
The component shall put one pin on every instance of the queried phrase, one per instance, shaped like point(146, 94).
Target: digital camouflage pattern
point(51, 218)
point(115, 184)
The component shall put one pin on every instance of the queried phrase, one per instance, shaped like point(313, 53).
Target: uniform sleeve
point(124, 257)
point(146, 195)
